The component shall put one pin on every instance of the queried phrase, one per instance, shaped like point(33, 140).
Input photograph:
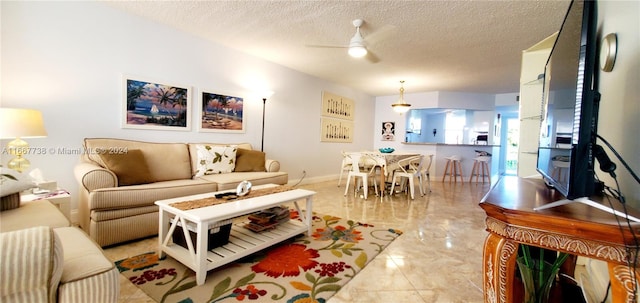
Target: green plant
point(538, 274)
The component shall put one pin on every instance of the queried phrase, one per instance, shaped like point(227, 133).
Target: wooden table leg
point(621, 283)
point(499, 261)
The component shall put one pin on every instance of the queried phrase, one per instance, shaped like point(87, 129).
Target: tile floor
point(437, 259)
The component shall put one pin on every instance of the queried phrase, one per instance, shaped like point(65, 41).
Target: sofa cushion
point(193, 152)
point(130, 167)
point(83, 258)
point(134, 196)
point(231, 181)
point(249, 160)
point(166, 161)
point(38, 212)
point(214, 159)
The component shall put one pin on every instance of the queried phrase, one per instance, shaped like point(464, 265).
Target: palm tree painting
point(221, 113)
point(152, 105)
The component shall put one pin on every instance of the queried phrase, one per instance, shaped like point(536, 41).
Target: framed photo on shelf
point(336, 130)
point(149, 104)
point(221, 112)
point(337, 106)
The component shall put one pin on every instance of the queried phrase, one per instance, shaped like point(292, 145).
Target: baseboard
point(313, 180)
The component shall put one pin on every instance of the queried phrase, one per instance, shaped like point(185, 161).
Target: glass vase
point(537, 277)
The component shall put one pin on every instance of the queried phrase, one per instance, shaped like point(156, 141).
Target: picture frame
point(336, 130)
point(155, 105)
point(388, 131)
point(337, 106)
point(221, 112)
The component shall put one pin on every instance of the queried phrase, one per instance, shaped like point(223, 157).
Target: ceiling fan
point(357, 47)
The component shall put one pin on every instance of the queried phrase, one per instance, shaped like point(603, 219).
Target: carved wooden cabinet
point(575, 228)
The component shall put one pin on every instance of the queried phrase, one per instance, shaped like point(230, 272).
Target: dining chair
point(356, 172)
point(426, 167)
point(375, 162)
point(410, 168)
point(345, 166)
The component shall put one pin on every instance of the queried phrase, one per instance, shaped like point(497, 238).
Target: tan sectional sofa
point(45, 259)
point(116, 201)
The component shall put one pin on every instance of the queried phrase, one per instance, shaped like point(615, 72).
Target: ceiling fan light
point(357, 51)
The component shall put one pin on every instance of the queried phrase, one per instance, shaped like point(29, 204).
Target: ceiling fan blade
point(381, 34)
point(326, 46)
point(371, 57)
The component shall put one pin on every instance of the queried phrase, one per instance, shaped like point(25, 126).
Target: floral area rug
point(302, 269)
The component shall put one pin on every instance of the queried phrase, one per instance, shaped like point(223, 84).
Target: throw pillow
point(215, 159)
point(249, 160)
point(130, 167)
point(12, 182)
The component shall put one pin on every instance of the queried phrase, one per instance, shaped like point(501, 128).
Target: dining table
point(388, 162)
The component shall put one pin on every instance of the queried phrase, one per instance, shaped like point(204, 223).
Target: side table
point(60, 198)
point(576, 229)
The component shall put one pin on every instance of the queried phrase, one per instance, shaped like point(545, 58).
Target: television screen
point(570, 106)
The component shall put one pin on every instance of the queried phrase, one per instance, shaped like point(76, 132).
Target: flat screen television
point(570, 105)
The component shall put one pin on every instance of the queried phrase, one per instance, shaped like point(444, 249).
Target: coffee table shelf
point(242, 242)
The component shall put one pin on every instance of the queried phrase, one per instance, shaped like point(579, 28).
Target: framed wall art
point(336, 130)
point(221, 112)
point(388, 131)
point(153, 105)
point(337, 106)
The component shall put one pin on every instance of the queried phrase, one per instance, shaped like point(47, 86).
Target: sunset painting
point(222, 113)
point(156, 106)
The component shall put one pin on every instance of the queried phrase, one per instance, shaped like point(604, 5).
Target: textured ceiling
point(465, 46)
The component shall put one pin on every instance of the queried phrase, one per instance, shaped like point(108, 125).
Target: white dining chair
point(410, 168)
point(364, 174)
point(345, 166)
point(426, 167)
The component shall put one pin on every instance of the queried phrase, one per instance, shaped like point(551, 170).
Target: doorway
point(509, 136)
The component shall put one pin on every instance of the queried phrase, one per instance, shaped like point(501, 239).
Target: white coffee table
point(242, 242)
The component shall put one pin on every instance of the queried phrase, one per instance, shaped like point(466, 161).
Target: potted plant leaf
point(537, 272)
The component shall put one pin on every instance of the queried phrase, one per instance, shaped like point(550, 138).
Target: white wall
point(618, 119)
point(67, 59)
point(439, 99)
point(620, 103)
point(384, 113)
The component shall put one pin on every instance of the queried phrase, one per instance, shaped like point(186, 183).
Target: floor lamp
point(265, 96)
point(264, 102)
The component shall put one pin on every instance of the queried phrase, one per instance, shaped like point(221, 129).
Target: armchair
point(45, 264)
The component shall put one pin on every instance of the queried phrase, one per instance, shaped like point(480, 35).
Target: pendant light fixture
point(401, 106)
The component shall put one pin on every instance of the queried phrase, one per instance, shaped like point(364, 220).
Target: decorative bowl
point(386, 150)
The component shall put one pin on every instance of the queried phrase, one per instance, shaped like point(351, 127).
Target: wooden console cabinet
point(575, 228)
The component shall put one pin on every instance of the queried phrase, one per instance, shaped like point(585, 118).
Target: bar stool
point(481, 163)
point(558, 167)
point(453, 168)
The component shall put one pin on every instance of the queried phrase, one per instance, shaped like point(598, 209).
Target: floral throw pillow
point(215, 159)
point(12, 182)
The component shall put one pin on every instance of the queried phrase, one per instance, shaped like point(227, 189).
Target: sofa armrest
point(272, 165)
point(32, 260)
point(93, 176)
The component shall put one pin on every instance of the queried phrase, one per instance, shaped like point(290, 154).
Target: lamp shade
point(401, 108)
point(21, 123)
